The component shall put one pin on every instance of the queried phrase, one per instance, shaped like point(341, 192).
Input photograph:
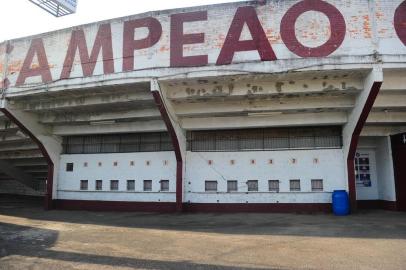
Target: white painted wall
point(382, 175)
point(69, 182)
point(386, 176)
point(368, 192)
point(330, 168)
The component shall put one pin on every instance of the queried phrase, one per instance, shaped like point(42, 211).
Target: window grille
point(83, 184)
point(232, 186)
point(117, 143)
point(69, 167)
point(294, 185)
point(265, 139)
point(252, 185)
point(317, 185)
point(210, 185)
point(147, 185)
point(164, 185)
point(99, 185)
point(113, 184)
point(130, 185)
point(273, 185)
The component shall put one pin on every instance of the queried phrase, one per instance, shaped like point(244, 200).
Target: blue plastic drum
point(341, 203)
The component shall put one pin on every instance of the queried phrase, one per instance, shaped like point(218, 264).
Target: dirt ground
point(31, 238)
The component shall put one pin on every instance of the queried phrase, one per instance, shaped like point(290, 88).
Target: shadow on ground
point(37, 243)
point(363, 224)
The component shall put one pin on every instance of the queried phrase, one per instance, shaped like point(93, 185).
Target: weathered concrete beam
point(77, 118)
point(187, 109)
point(13, 140)
point(243, 89)
point(18, 147)
point(74, 103)
point(377, 130)
point(29, 162)
point(137, 126)
point(280, 120)
point(386, 118)
point(21, 154)
point(390, 101)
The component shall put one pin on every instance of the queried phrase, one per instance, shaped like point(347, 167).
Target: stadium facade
point(246, 106)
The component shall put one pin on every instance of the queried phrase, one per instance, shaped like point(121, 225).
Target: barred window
point(252, 185)
point(117, 143)
point(210, 186)
point(130, 185)
point(83, 184)
point(113, 184)
point(99, 185)
point(164, 185)
point(69, 167)
point(317, 185)
point(273, 185)
point(265, 139)
point(232, 186)
point(294, 185)
point(147, 185)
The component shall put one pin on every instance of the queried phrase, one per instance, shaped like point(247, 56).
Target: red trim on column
point(50, 178)
point(176, 146)
point(354, 142)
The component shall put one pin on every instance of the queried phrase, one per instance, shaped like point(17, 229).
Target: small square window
point(164, 185)
point(147, 185)
point(232, 186)
point(252, 185)
point(113, 184)
point(210, 185)
point(294, 185)
point(273, 185)
point(83, 184)
point(99, 185)
point(130, 185)
point(317, 185)
point(69, 167)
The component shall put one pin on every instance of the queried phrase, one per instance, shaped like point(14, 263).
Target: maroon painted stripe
point(377, 204)
point(376, 86)
point(50, 178)
point(159, 207)
point(258, 207)
point(168, 207)
point(176, 146)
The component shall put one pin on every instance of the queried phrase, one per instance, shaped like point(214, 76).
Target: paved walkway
point(31, 238)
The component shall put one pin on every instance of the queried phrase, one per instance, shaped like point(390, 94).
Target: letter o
point(400, 22)
point(334, 16)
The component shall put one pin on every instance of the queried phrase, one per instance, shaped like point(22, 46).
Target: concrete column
point(177, 134)
point(356, 120)
point(49, 145)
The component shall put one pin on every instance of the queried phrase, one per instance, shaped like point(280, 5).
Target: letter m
point(103, 41)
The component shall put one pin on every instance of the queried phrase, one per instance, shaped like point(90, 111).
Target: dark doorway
point(399, 164)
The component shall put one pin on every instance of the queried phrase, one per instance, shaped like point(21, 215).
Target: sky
point(28, 19)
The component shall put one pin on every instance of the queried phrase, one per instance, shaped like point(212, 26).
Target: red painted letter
point(78, 42)
point(178, 39)
point(400, 22)
point(129, 44)
point(37, 47)
point(337, 25)
point(233, 44)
